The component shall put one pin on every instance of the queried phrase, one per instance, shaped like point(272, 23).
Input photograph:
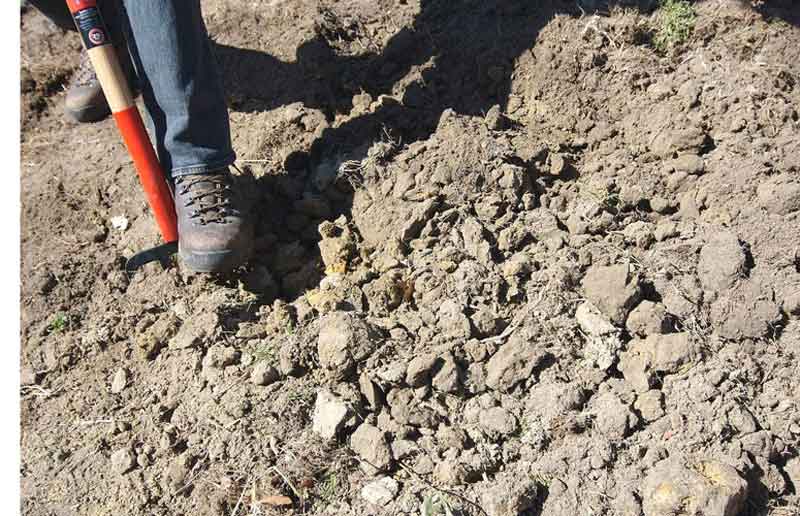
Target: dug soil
point(512, 258)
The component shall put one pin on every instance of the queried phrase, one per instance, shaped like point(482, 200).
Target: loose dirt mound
point(512, 259)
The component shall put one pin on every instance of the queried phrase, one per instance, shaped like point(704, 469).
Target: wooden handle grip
point(112, 80)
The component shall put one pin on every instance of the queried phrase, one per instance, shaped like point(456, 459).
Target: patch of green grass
point(265, 352)
point(435, 505)
point(542, 480)
point(59, 323)
point(328, 487)
point(676, 19)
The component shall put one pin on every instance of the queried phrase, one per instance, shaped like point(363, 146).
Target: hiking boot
point(213, 234)
point(85, 100)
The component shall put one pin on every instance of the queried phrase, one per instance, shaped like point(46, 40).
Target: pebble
point(614, 290)
point(706, 487)
point(380, 491)
point(120, 381)
point(122, 461)
point(370, 443)
point(264, 374)
point(330, 414)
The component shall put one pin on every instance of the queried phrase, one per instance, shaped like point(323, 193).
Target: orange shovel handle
point(112, 79)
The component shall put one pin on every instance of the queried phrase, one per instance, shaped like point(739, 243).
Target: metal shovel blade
point(162, 253)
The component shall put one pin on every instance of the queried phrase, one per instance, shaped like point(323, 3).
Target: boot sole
point(88, 114)
point(213, 261)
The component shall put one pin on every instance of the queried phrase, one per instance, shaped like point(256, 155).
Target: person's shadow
point(465, 51)
point(457, 55)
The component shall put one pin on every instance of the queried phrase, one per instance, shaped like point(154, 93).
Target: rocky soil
point(512, 259)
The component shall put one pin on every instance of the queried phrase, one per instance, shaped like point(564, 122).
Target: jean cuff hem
point(205, 168)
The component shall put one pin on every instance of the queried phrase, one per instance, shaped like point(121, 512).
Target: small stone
point(452, 321)
point(120, 381)
point(602, 351)
point(691, 164)
point(392, 373)
point(219, 356)
point(708, 487)
point(791, 303)
point(402, 448)
point(450, 472)
point(452, 437)
point(371, 392)
point(780, 195)
point(676, 181)
point(686, 139)
point(666, 230)
point(592, 322)
point(264, 374)
point(603, 340)
point(632, 196)
point(28, 376)
point(419, 370)
point(558, 164)
point(742, 420)
point(380, 491)
point(613, 418)
point(475, 378)
point(178, 470)
point(689, 93)
point(722, 262)
point(509, 494)
point(650, 405)
point(119, 222)
point(660, 205)
point(142, 460)
point(485, 321)
point(194, 330)
point(497, 422)
point(656, 353)
point(369, 442)
point(122, 461)
point(647, 318)
point(513, 363)
point(344, 339)
point(330, 415)
point(447, 379)
point(496, 120)
point(749, 311)
point(477, 350)
point(152, 340)
point(614, 290)
point(640, 233)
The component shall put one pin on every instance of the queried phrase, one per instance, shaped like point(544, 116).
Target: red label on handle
point(77, 5)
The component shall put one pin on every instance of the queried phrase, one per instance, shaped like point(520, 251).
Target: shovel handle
point(97, 42)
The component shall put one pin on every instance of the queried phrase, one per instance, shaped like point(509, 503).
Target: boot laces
point(209, 196)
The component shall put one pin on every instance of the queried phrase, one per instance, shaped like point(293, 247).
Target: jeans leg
point(180, 85)
point(56, 11)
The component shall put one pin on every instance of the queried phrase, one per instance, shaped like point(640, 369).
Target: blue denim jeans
point(178, 77)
